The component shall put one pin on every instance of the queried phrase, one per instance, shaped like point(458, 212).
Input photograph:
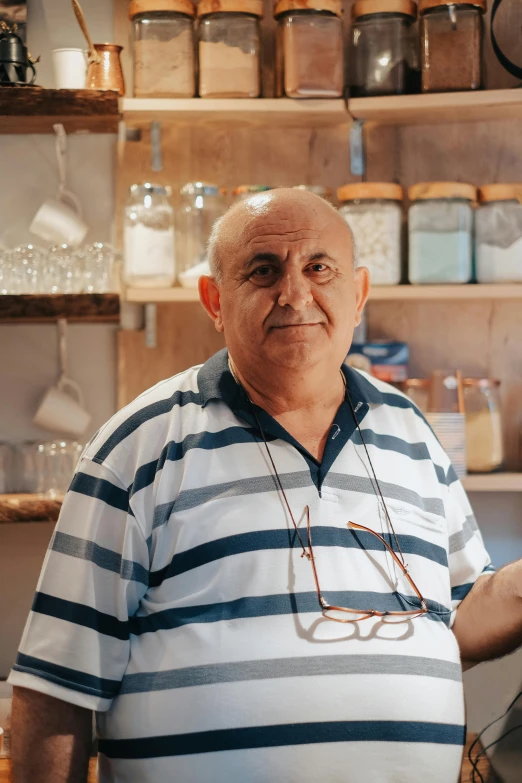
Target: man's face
point(288, 293)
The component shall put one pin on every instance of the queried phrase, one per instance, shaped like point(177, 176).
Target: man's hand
point(488, 623)
point(50, 741)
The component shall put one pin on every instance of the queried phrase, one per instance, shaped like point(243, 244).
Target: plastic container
point(373, 210)
point(148, 237)
point(164, 60)
point(309, 48)
point(384, 48)
point(243, 192)
point(498, 234)
point(201, 204)
point(229, 48)
point(441, 232)
point(451, 35)
point(484, 442)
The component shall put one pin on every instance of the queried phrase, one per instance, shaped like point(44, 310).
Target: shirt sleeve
point(75, 645)
point(467, 556)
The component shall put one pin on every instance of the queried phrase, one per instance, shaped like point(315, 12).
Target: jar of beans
point(229, 48)
point(373, 210)
point(451, 33)
point(309, 48)
point(440, 228)
point(383, 50)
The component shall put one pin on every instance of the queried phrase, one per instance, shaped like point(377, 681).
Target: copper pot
point(107, 74)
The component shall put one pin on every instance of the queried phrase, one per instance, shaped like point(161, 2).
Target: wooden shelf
point(285, 112)
point(36, 110)
point(493, 482)
point(28, 508)
point(278, 112)
point(479, 106)
point(377, 294)
point(42, 308)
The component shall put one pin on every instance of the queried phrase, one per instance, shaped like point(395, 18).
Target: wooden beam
point(35, 110)
point(36, 308)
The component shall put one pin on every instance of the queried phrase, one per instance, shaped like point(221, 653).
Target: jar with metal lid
point(484, 442)
point(243, 192)
point(229, 48)
point(498, 234)
point(318, 190)
point(383, 50)
point(309, 48)
point(373, 210)
point(201, 205)
point(148, 237)
point(451, 35)
point(164, 58)
point(440, 229)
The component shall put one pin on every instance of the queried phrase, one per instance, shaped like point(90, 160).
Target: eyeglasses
point(341, 613)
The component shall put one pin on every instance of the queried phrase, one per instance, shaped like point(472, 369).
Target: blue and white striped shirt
point(174, 602)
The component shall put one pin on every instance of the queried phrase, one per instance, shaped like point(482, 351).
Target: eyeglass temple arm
point(397, 559)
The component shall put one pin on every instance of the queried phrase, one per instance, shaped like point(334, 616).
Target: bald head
point(286, 209)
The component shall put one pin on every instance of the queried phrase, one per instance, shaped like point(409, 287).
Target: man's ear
point(209, 298)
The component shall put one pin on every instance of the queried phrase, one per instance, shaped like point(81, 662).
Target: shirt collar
point(216, 382)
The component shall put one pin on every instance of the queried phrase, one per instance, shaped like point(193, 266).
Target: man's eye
point(318, 267)
point(262, 271)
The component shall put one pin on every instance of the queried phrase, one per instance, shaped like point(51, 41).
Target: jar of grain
point(201, 204)
point(164, 61)
point(440, 228)
point(418, 390)
point(373, 210)
point(309, 48)
point(229, 48)
point(148, 237)
point(451, 34)
point(484, 444)
point(383, 51)
point(318, 190)
point(498, 234)
point(243, 192)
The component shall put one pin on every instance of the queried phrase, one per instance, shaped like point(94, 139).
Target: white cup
point(60, 222)
point(59, 411)
point(70, 69)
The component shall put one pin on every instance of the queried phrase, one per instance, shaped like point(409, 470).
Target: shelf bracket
point(155, 142)
point(357, 149)
point(151, 326)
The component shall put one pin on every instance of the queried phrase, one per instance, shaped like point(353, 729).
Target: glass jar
point(164, 61)
point(451, 36)
point(318, 190)
point(243, 192)
point(441, 232)
point(373, 210)
point(383, 51)
point(229, 48)
point(309, 49)
point(201, 205)
point(148, 237)
point(418, 391)
point(498, 234)
point(484, 443)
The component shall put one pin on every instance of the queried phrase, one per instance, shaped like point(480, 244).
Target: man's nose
point(295, 291)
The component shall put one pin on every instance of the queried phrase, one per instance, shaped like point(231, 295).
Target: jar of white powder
point(484, 441)
point(309, 48)
point(164, 57)
point(498, 234)
point(229, 48)
point(148, 237)
point(441, 232)
point(201, 204)
point(373, 210)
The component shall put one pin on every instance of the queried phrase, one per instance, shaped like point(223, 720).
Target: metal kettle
point(14, 59)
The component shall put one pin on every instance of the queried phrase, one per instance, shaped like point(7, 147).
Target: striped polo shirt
point(174, 601)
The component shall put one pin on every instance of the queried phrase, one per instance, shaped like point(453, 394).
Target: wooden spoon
point(93, 54)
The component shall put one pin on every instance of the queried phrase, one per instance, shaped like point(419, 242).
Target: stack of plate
point(450, 429)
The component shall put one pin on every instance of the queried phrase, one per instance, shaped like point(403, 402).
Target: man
point(256, 572)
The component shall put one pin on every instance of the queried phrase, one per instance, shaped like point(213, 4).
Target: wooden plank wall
point(482, 338)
